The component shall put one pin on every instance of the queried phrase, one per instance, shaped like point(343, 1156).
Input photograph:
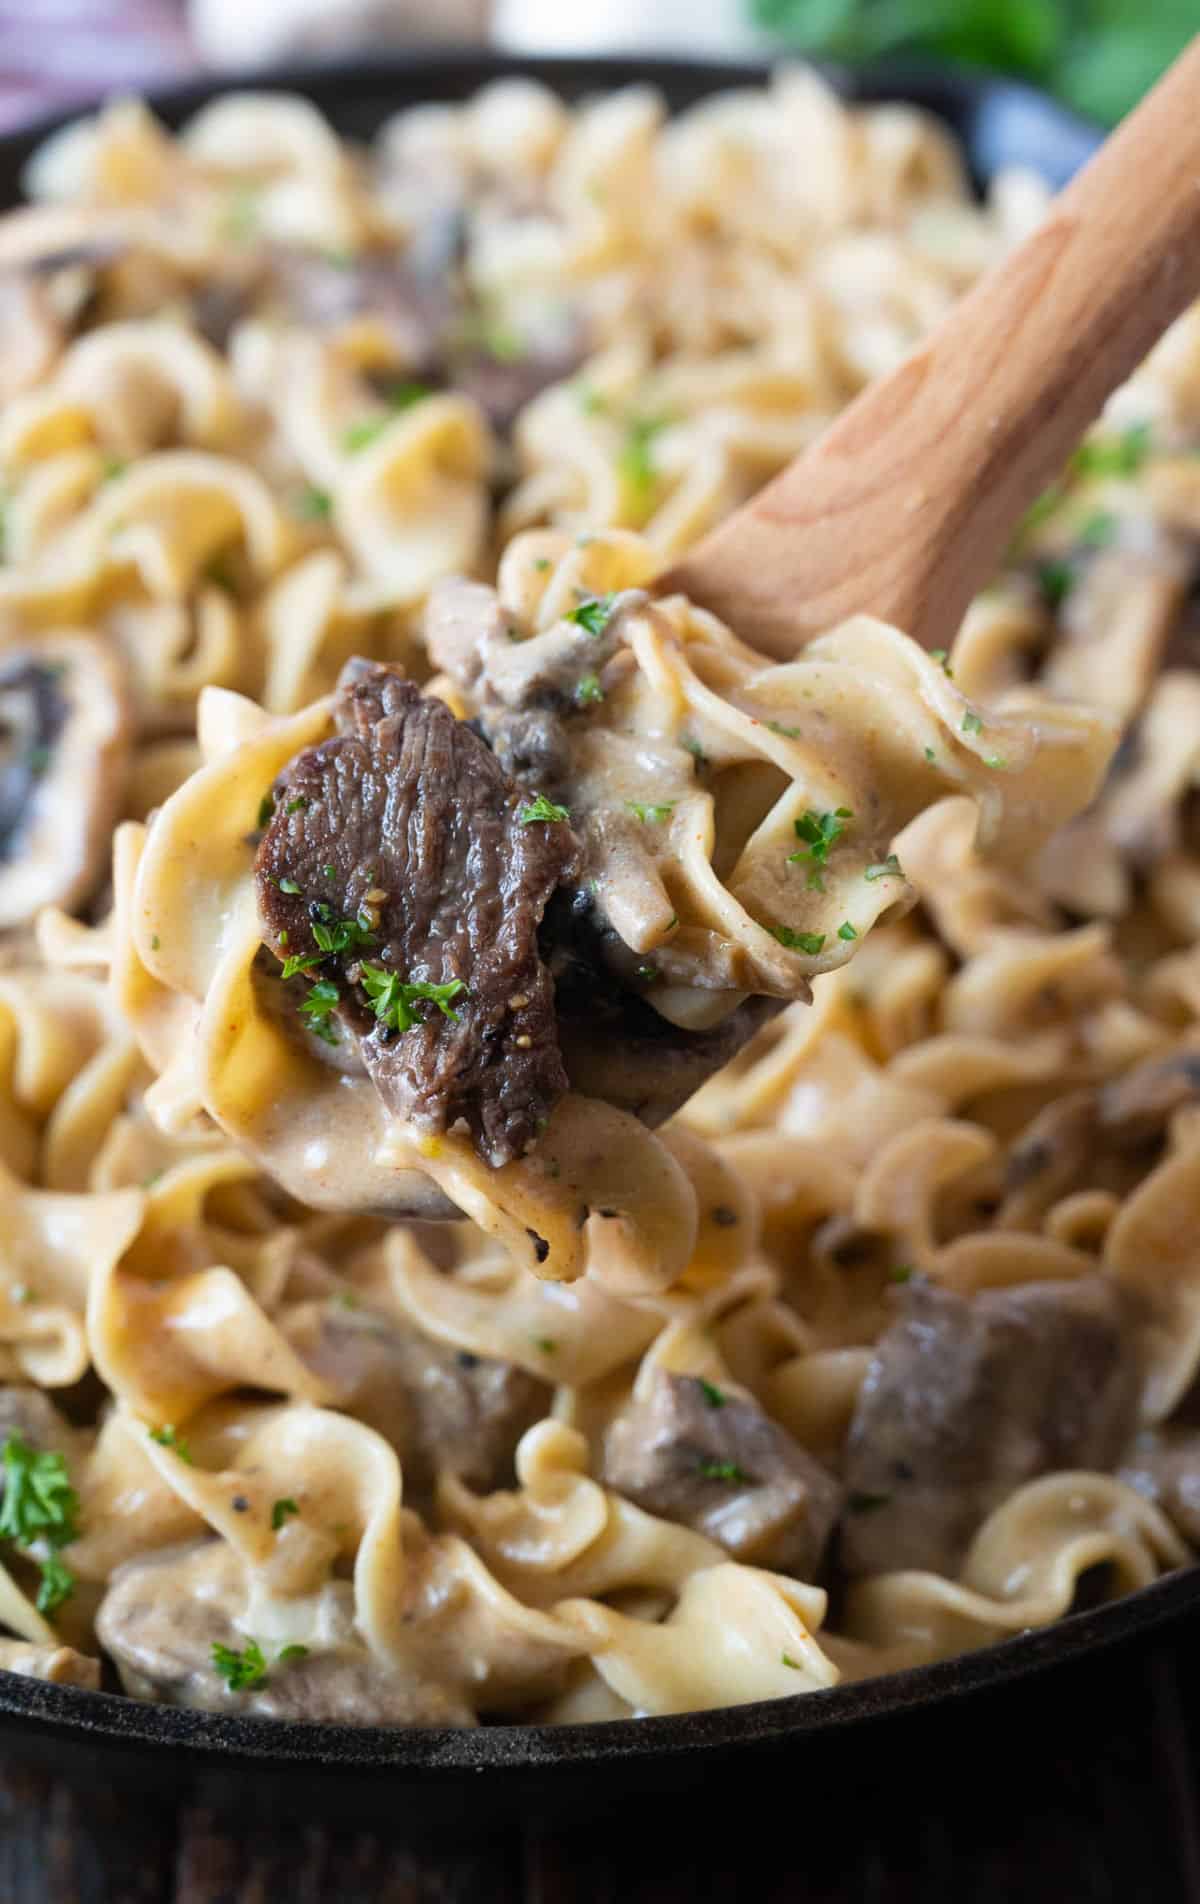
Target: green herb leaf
point(647, 974)
point(588, 690)
point(789, 733)
point(287, 885)
point(39, 1502)
point(902, 1273)
point(592, 613)
point(392, 998)
point(368, 430)
point(281, 1510)
point(1121, 455)
point(635, 459)
point(312, 504)
point(539, 808)
point(714, 1396)
point(721, 1470)
point(169, 1437)
point(889, 868)
point(651, 815)
point(1056, 580)
point(1099, 531)
point(847, 931)
point(971, 724)
point(294, 1651)
point(266, 808)
point(545, 1343)
point(940, 655)
point(787, 1660)
point(57, 1584)
point(240, 1669)
point(807, 942)
point(819, 832)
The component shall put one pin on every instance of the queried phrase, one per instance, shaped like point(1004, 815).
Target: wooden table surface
point(1080, 1787)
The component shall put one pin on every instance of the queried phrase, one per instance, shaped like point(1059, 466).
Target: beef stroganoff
point(554, 1168)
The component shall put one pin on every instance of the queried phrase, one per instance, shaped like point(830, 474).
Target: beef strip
point(440, 1408)
point(1168, 1472)
point(966, 1398)
point(407, 818)
point(710, 1458)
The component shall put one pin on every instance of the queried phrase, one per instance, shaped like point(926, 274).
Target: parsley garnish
point(288, 885)
point(294, 1651)
point(280, 1511)
point(902, 1273)
point(588, 690)
point(592, 613)
point(1056, 580)
point(344, 935)
point(169, 1437)
point(312, 504)
point(971, 724)
point(819, 831)
point(635, 462)
point(539, 808)
point(392, 998)
point(789, 733)
point(651, 815)
point(39, 1502)
point(692, 746)
point(316, 1005)
point(722, 1471)
point(57, 1584)
point(1098, 531)
point(542, 564)
point(940, 655)
point(266, 807)
point(402, 396)
point(787, 1660)
point(930, 756)
point(1121, 455)
point(847, 931)
point(545, 1343)
point(889, 868)
point(240, 1670)
point(298, 805)
point(714, 1396)
point(808, 942)
point(647, 974)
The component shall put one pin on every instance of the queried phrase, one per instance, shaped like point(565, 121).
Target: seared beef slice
point(969, 1397)
point(710, 1458)
point(407, 820)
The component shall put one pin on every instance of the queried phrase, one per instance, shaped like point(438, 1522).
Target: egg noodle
point(884, 1345)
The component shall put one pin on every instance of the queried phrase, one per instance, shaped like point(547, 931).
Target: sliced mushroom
point(64, 749)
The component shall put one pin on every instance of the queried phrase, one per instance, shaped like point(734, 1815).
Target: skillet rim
point(975, 105)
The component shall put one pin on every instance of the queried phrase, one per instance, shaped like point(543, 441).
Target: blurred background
point(1097, 55)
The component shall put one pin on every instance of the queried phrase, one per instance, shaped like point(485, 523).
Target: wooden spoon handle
point(905, 506)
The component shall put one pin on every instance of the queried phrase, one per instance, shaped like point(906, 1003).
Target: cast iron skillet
point(430, 1777)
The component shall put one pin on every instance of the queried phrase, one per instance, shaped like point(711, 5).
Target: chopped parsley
point(588, 690)
point(343, 935)
point(240, 1670)
point(999, 761)
point(114, 466)
point(39, 1502)
point(889, 868)
point(539, 808)
point(866, 1503)
point(402, 396)
point(288, 885)
point(714, 1396)
point(651, 815)
point(939, 655)
point(281, 1510)
point(1056, 580)
point(807, 942)
point(155, 942)
point(545, 1343)
point(971, 724)
point(722, 1471)
point(591, 402)
point(592, 613)
point(298, 805)
point(819, 832)
point(168, 1436)
point(647, 974)
point(901, 1273)
point(315, 1007)
point(294, 1651)
point(392, 998)
point(692, 746)
point(847, 931)
point(266, 807)
point(1098, 531)
point(635, 460)
point(57, 1584)
point(789, 733)
point(787, 1660)
point(542, 564)
point(930, 756)
point(1121, 455)
point(312, 504)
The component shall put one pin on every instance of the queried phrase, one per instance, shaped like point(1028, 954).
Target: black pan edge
point(998, 123)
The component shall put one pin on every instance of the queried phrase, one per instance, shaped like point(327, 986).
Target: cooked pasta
point(592, 1174)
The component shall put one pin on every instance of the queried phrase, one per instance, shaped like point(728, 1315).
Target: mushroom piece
point(64, 748)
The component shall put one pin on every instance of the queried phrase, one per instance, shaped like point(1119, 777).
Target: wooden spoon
point(905, 506)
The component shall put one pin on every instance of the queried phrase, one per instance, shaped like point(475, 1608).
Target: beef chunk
point(969, 1397)
point(1168, 1472)
point(441, 1408)
point(710, 1458)
point(407, 820)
